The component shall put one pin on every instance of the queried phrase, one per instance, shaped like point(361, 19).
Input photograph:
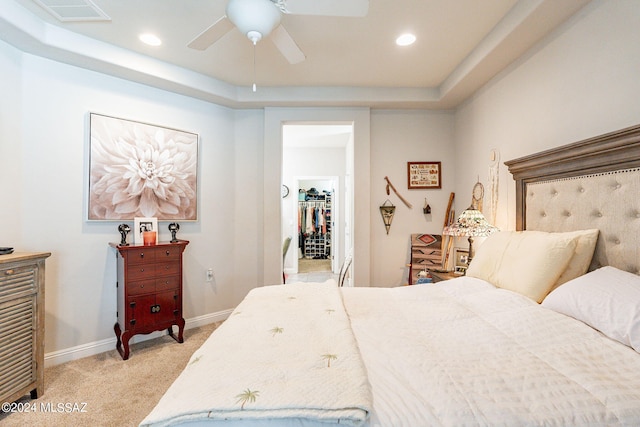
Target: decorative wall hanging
point(449, 218)
point(387, 209)
point(424, 175)
point(138, 169)
point(426, 209)
point(477, 196)
point(390, 185)
point(494, 173)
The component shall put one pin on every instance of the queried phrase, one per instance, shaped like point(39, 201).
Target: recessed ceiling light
point(150, 39)
point(405, 39)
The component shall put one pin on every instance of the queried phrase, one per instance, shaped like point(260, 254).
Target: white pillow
point(607, 299)
point(527, 262)
point(579, 264)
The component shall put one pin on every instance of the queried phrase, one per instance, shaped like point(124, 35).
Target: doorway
point(357, 182)
point(315, 170)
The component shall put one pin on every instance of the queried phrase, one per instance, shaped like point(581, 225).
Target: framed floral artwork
point(141, 170)
point(424, 175)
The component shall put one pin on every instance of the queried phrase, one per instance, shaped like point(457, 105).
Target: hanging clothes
point(314, 228)
point(309, 228)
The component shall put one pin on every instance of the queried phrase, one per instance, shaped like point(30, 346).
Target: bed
point(543, 330)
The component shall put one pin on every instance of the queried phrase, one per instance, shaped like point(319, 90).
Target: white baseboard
point(97, 347)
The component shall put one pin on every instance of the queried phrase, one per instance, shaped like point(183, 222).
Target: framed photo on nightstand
point(461, 259)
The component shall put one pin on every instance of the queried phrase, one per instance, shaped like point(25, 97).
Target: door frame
point(359, 173)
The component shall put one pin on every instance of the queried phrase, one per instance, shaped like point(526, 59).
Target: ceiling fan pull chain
point(254, 66)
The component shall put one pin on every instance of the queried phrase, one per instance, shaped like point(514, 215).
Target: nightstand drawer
point(439, 276)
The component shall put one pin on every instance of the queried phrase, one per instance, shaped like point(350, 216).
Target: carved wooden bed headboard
point(594, 183)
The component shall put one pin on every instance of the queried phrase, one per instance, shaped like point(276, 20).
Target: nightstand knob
point(168, 253)
point(141, 254)
point(132, 321)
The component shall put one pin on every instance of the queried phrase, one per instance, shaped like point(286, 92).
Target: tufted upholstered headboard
point(593, 183)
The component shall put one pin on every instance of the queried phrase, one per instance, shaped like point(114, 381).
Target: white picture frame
point(461, 261)
point(141, 224)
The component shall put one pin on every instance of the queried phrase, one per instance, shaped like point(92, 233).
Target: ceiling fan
point(258, 19)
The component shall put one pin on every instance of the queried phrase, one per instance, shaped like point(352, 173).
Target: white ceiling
point(460, 45)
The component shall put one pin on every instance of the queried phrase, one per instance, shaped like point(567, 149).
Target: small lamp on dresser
point(471, 223)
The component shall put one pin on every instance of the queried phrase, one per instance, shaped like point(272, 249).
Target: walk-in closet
point(314, 229)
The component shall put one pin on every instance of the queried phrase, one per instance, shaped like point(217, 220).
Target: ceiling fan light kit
point(254, 18)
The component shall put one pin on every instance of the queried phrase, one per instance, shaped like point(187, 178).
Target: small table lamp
point(470, 223)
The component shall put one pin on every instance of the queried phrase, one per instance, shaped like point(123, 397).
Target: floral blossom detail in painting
point(141, 170)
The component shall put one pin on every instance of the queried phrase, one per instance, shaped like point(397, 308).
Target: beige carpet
point(112, 392)
point(313, 265)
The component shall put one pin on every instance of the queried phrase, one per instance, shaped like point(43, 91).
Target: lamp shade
point(471, 223)
point(253, 16)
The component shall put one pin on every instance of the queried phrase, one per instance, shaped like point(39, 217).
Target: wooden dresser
point(149, 291)
point(22, 325)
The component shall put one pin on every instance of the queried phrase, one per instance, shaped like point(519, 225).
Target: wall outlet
point(209, 276)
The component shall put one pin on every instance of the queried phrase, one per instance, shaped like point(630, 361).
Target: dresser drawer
point(168, 254)
point(141, 255)
point(168, 283)
point(141, 272)
point(141, 287)
point(167, 268)
point(17, 281)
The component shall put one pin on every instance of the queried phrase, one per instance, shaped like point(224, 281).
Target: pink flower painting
point(141, 170)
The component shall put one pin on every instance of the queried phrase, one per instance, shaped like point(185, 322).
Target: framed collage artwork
point(421, 175)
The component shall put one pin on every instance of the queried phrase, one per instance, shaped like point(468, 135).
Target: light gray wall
point(580, 82)
point(46, 131)
point(11, 152)
point(396, 138)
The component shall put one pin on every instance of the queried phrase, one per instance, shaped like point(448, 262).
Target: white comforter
point(286, 352)
point(465, 353)
point(458, 353)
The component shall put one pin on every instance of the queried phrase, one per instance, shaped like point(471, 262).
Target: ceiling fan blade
point(212, 34)
point(286, 45)
point(352, 8)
